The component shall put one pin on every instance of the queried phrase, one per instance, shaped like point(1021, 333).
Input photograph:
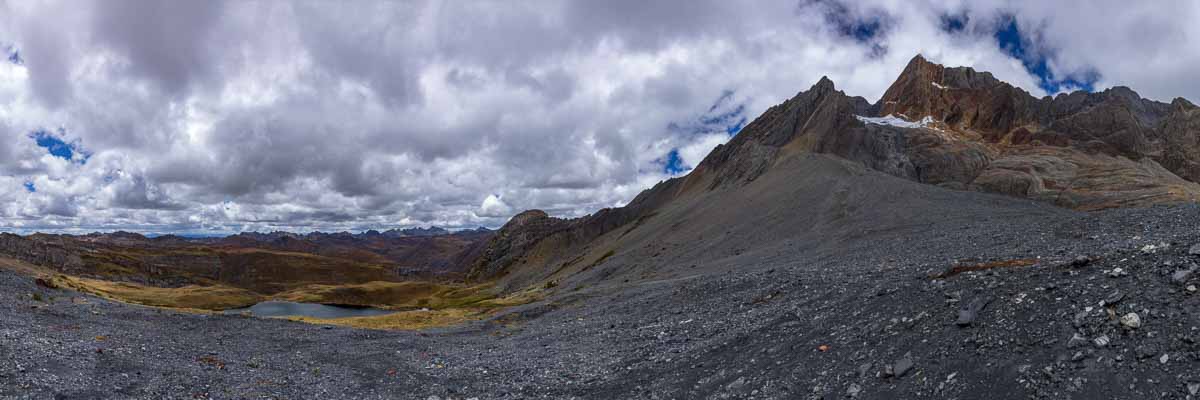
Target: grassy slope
point(393, 295)
point(429, 318)
point(215, 298)
point(262, 271)
point(203, 278)
point(422, 304)
point(196, 298)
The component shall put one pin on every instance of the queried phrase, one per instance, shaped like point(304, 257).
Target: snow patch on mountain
point(893, 120)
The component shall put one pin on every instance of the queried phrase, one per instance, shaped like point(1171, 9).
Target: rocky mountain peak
point(824, 85)
point(523, 218)
point(915, 91)
point(517, 236)
point(1182, 104)
point(962, 128)
point(794, 125)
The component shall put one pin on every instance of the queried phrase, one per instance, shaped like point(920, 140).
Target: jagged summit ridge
point(965, 129)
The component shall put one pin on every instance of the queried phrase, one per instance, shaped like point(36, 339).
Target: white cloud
point(692, 153)
point(493, 206)
point(268, 115)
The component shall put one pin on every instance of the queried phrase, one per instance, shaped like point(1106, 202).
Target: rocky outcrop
point(521, 233)
point(520, 238)
point(964, 129)
point(46, 250)
point(1079, 150)
point(1181, 143)
point(799, 123)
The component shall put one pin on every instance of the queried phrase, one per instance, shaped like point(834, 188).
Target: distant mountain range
point(419, 231)
point(264, 263)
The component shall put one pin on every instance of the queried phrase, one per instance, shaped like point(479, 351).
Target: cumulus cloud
point(493, 206)
point(227, 116)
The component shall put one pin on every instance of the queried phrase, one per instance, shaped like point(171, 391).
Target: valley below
point(241, 271)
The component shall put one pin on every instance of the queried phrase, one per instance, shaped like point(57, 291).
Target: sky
point(227, 116)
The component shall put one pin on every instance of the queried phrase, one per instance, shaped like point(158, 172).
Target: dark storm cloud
point(136, 193)
point(376, 49)
point(649, 26)
point(165, 42)
point(48, 63)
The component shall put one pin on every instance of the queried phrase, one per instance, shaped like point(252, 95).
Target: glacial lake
point(291, 309)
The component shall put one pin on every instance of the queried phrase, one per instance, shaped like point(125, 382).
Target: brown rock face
point(263, 263)
point(959, 128)
point(1079, 150)
point(533, 235)
point(513, 239)
point(50, 250)
point(801, 123)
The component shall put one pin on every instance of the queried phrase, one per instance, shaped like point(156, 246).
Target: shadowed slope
point(806, 206)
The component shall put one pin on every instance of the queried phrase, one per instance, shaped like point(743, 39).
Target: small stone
point(1191, 288)
point(1193, 388)
point(853, 390)
point(1163, 360)
point(1101, 341)
point(1113, 298)
point(1080, 261)
point(864, 369)
point(970, 310)
point(1181, 276)
point(1079, 356)
point(1151, 249)
point(1131, 321)
point(1076, 341)
point(1117, 272)
point(1194, 251)
point(1080, 319)
point(1145, 351)
point(1049, 372)
point(903, 365)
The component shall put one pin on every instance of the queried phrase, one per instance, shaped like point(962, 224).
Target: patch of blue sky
point(1036, 59)
point(56, 146)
